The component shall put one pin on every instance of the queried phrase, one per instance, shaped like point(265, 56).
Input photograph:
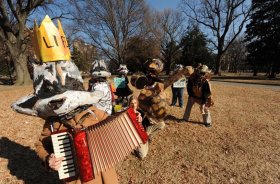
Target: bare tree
point(14, 33)
point(6, 67)
point(13, 16)
point(109, 24)
point(172, 27)
point(234, 57)
point(224, 19)
point(83, 55)
point(139, 49)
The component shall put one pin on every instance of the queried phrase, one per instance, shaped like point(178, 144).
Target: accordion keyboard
point(63, 148)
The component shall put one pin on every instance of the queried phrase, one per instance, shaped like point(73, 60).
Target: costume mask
point(99, 69)
point(154, 66)
point(122, 70)
point(58, 89)
point(178, 67)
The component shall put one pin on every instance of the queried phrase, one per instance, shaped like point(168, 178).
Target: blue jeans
point(177, 94)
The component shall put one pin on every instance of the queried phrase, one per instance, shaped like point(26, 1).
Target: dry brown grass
point(242, 146)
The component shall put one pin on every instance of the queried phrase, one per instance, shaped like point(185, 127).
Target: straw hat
point(155, 66)
point(204, 69)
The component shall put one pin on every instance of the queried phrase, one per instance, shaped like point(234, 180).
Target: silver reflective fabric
point(58, 89)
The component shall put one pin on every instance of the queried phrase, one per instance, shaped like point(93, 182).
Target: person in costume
point(152, 98)
point(121, 85)
point(178, 88)
point(154, 67)
point(199, 91)
point(98, 82)
point(59, 96)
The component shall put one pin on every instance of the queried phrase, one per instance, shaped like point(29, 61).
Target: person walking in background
point(199, 91)
point(178, 88)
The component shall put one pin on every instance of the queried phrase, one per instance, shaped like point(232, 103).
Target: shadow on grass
point(172, 118)
point(196, 122)
point(6, 81)
point(180, 120)
point(24, 163)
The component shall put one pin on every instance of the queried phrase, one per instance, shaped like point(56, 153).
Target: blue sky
point(154, 4)
point(162, 4)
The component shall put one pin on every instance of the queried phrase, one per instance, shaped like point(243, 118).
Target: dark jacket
point(199, 88)
point(145, 121)
point(152, 79)
point(124, 92)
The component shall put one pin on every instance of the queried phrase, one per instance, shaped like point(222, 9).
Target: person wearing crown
point(59, 97)
point(199, 91)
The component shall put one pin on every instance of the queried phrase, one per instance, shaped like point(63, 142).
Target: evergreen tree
point(171, 54)
point(194, 49)
point(263, 37)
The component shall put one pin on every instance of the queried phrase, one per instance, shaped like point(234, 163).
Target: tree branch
point(15, 13)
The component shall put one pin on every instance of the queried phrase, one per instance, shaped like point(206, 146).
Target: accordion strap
point(73, 113)
point(64, 119)
point(82, 119)
point(66, 124)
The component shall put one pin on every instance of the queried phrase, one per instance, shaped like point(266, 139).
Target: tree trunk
point(218, 65)
point(22, 74)
point(10, 72)
point(167, 66)
point(167, 72)
point(255, 71)
point(272, 72)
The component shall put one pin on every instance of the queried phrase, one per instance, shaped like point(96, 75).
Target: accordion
point(89, 151)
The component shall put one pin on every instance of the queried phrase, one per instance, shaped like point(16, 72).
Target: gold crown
point(49, 42)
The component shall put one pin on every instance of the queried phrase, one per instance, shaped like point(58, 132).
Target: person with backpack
point(199, 91)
